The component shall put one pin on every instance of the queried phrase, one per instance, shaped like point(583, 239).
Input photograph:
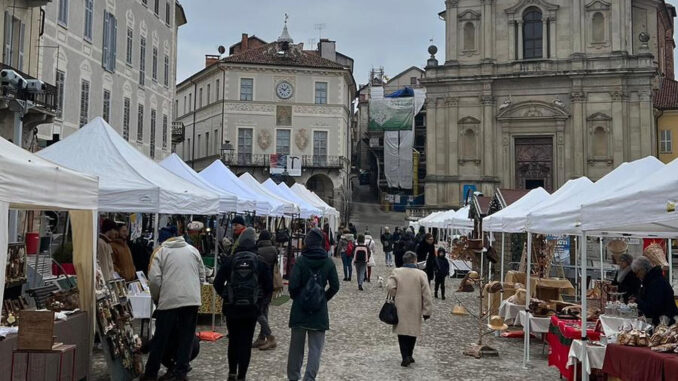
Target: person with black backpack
point(361, 254)
point(242, 281)
point(309, 316)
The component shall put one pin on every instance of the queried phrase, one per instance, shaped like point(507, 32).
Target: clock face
point(284, 90)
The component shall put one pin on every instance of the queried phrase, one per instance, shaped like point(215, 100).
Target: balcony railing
point(263, 160)
point(46, 99)
point(178, 132)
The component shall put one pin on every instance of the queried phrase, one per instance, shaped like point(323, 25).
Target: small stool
point(58, 350)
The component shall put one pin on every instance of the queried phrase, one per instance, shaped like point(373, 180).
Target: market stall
point(32, 183)
point(282, 190)
point(285, 208)
point(218, 175)
point(329, 213)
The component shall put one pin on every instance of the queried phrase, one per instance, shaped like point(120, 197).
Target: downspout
point(223, 101)
point(195, 103)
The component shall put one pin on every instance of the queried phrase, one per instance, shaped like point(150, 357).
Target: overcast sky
point(394, 34)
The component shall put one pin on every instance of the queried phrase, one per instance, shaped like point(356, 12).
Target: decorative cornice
point(526, 3)
point(578, 96)
point(599, 116)
point(469, 15)
point(487, 99)
point(598, 5)
point(619, 95)
point(468, 120)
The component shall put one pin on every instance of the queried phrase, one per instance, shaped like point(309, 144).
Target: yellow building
point(666, 102)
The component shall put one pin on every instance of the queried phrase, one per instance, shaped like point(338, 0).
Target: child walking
point(442, 272)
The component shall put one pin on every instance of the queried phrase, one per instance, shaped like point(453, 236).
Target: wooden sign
point(36, 330)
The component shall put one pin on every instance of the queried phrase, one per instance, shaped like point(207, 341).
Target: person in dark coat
point(426, 251)
point(269, 254)
point(625, 279)
point(442, 272)
point(241, 321)
point(313, 262)
point(397, 235)
point(353, 229)
point(405, 244)
point(655, 298)
point(421, 235)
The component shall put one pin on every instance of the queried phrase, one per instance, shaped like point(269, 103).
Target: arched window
point(469, 147)
point(599, 142)
point(469, 36)
point(532, 33)
point(598, 27)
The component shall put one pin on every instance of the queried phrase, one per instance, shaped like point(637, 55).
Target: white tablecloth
point(537, 324)
point(611, 324)
point(595, 355)
point(142, 307)
point(509, 311)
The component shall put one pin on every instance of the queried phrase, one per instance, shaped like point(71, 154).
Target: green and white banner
point(391, 114)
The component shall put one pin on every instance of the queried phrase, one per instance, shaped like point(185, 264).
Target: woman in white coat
point(409, 286)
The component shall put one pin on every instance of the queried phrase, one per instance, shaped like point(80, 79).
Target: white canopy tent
point(504, 220)
point(222, 177)
point(307, 209)
point(460, 220)
point(440, 220)
point(30, 182)
point(128, 180)
point(329, 212)
point(228, 202)
point(286, 207)
point(650, 200)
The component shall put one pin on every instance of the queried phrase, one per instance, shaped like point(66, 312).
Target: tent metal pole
point(528, 292)
point(602, 267)
point(576, 266)
point(156, 222)
point(584, 375)
point(501, 274)
point(670, 251)
point(214, 271)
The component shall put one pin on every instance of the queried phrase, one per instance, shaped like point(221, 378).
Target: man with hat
point(238, 223)
point(308, 318)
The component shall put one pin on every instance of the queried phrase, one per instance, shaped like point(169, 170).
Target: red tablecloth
point(639, 364)
point(560, 336)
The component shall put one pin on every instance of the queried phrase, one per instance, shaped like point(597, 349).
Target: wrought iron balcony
point(45, 100)
point(322, 161)
point(178, 132)
point(263, 160)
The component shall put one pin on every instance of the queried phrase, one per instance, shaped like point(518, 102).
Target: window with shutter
point(110, 42)
point(59, 82)
point(89, 15)
point(7, 56)
point(84, 102)
point(208, 93)
point(140, 124)
point(156, 8)
point(62, 17)
point(152, 134)
point(166, 70)
point(155, 64)
point(164, 132)
point(142, 61)
point(217, 87)
point(22, 34)
point(130, 44)
point(107, 106)
point(125, 118)
point(167, 12)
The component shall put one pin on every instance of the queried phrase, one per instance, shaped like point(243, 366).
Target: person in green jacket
point(313, 260)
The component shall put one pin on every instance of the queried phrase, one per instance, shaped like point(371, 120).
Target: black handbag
point(389, 312)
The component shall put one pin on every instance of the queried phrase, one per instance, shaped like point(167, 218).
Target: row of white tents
point(131, 182)
point(637, 199)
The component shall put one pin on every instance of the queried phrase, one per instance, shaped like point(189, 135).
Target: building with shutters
point(114, 59)
point(266, 98)
point(536, 92)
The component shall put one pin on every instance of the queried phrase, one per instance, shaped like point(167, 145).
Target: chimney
point(327, 49)
point(211, 59)
point(244, 42)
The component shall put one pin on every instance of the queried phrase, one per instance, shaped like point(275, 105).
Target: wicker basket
point(656, 255)
point(475, 244)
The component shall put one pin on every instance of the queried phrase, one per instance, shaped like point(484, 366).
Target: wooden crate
point(36, 330)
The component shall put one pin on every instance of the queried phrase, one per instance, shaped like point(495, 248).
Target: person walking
point(369, 242)
point(346, 250)
point(361, 255)
point(123, 263)
point(238, 223)
point(268, 254)
point(107, 233)
point(328, 239)
point(352, 229)
point(242, 281)
point(405, 244)
point(421, 235)
point(410, 289)
point(175, 277)
point(397, 235)
point(442, 272)
point(426, 251)
point(387, 245)
point(309, 316)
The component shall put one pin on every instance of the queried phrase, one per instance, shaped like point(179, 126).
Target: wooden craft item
point(36, 330)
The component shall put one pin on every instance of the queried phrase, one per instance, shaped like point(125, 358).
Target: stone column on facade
point(488, 148)
point(553, 39)
point(544, 40)
point(506, 161)
point(577, 26)
point(578, 98)
point(441, 131)
point(520, 39)
point(559, 178)
point(431, 193)
point(512, 40)
point(617, 127)
point(487, 29)
point(451, 31)
point(453, 139)
point(616, 27)
point(647, 143)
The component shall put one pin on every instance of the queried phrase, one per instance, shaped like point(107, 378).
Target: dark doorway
point(534, 162)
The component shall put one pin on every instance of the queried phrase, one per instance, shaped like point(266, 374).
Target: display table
point(509, 311)
point(611, 324)
point(70, 331)
point(560, 336)
point(639, 364)
point(537, 324)
point(594, 355)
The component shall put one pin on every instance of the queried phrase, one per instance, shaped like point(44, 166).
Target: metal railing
point(263, 160)
point(46, 99)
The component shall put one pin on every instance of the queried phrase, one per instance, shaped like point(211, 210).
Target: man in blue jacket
point(312, 263)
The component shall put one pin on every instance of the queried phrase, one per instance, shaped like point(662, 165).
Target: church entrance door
point(534, 162)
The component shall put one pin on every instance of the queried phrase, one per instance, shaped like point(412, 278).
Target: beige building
point(272, 98)
point(536, 92)
point(21, 37)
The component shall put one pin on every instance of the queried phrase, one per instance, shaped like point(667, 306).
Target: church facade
point(535, 92)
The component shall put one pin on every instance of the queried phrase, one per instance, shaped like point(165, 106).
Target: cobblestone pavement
point(360, 347)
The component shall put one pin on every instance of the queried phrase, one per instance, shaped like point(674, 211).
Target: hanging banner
point(391, 114)
point(391, 158)
point(285, 164)
point(405, 159)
